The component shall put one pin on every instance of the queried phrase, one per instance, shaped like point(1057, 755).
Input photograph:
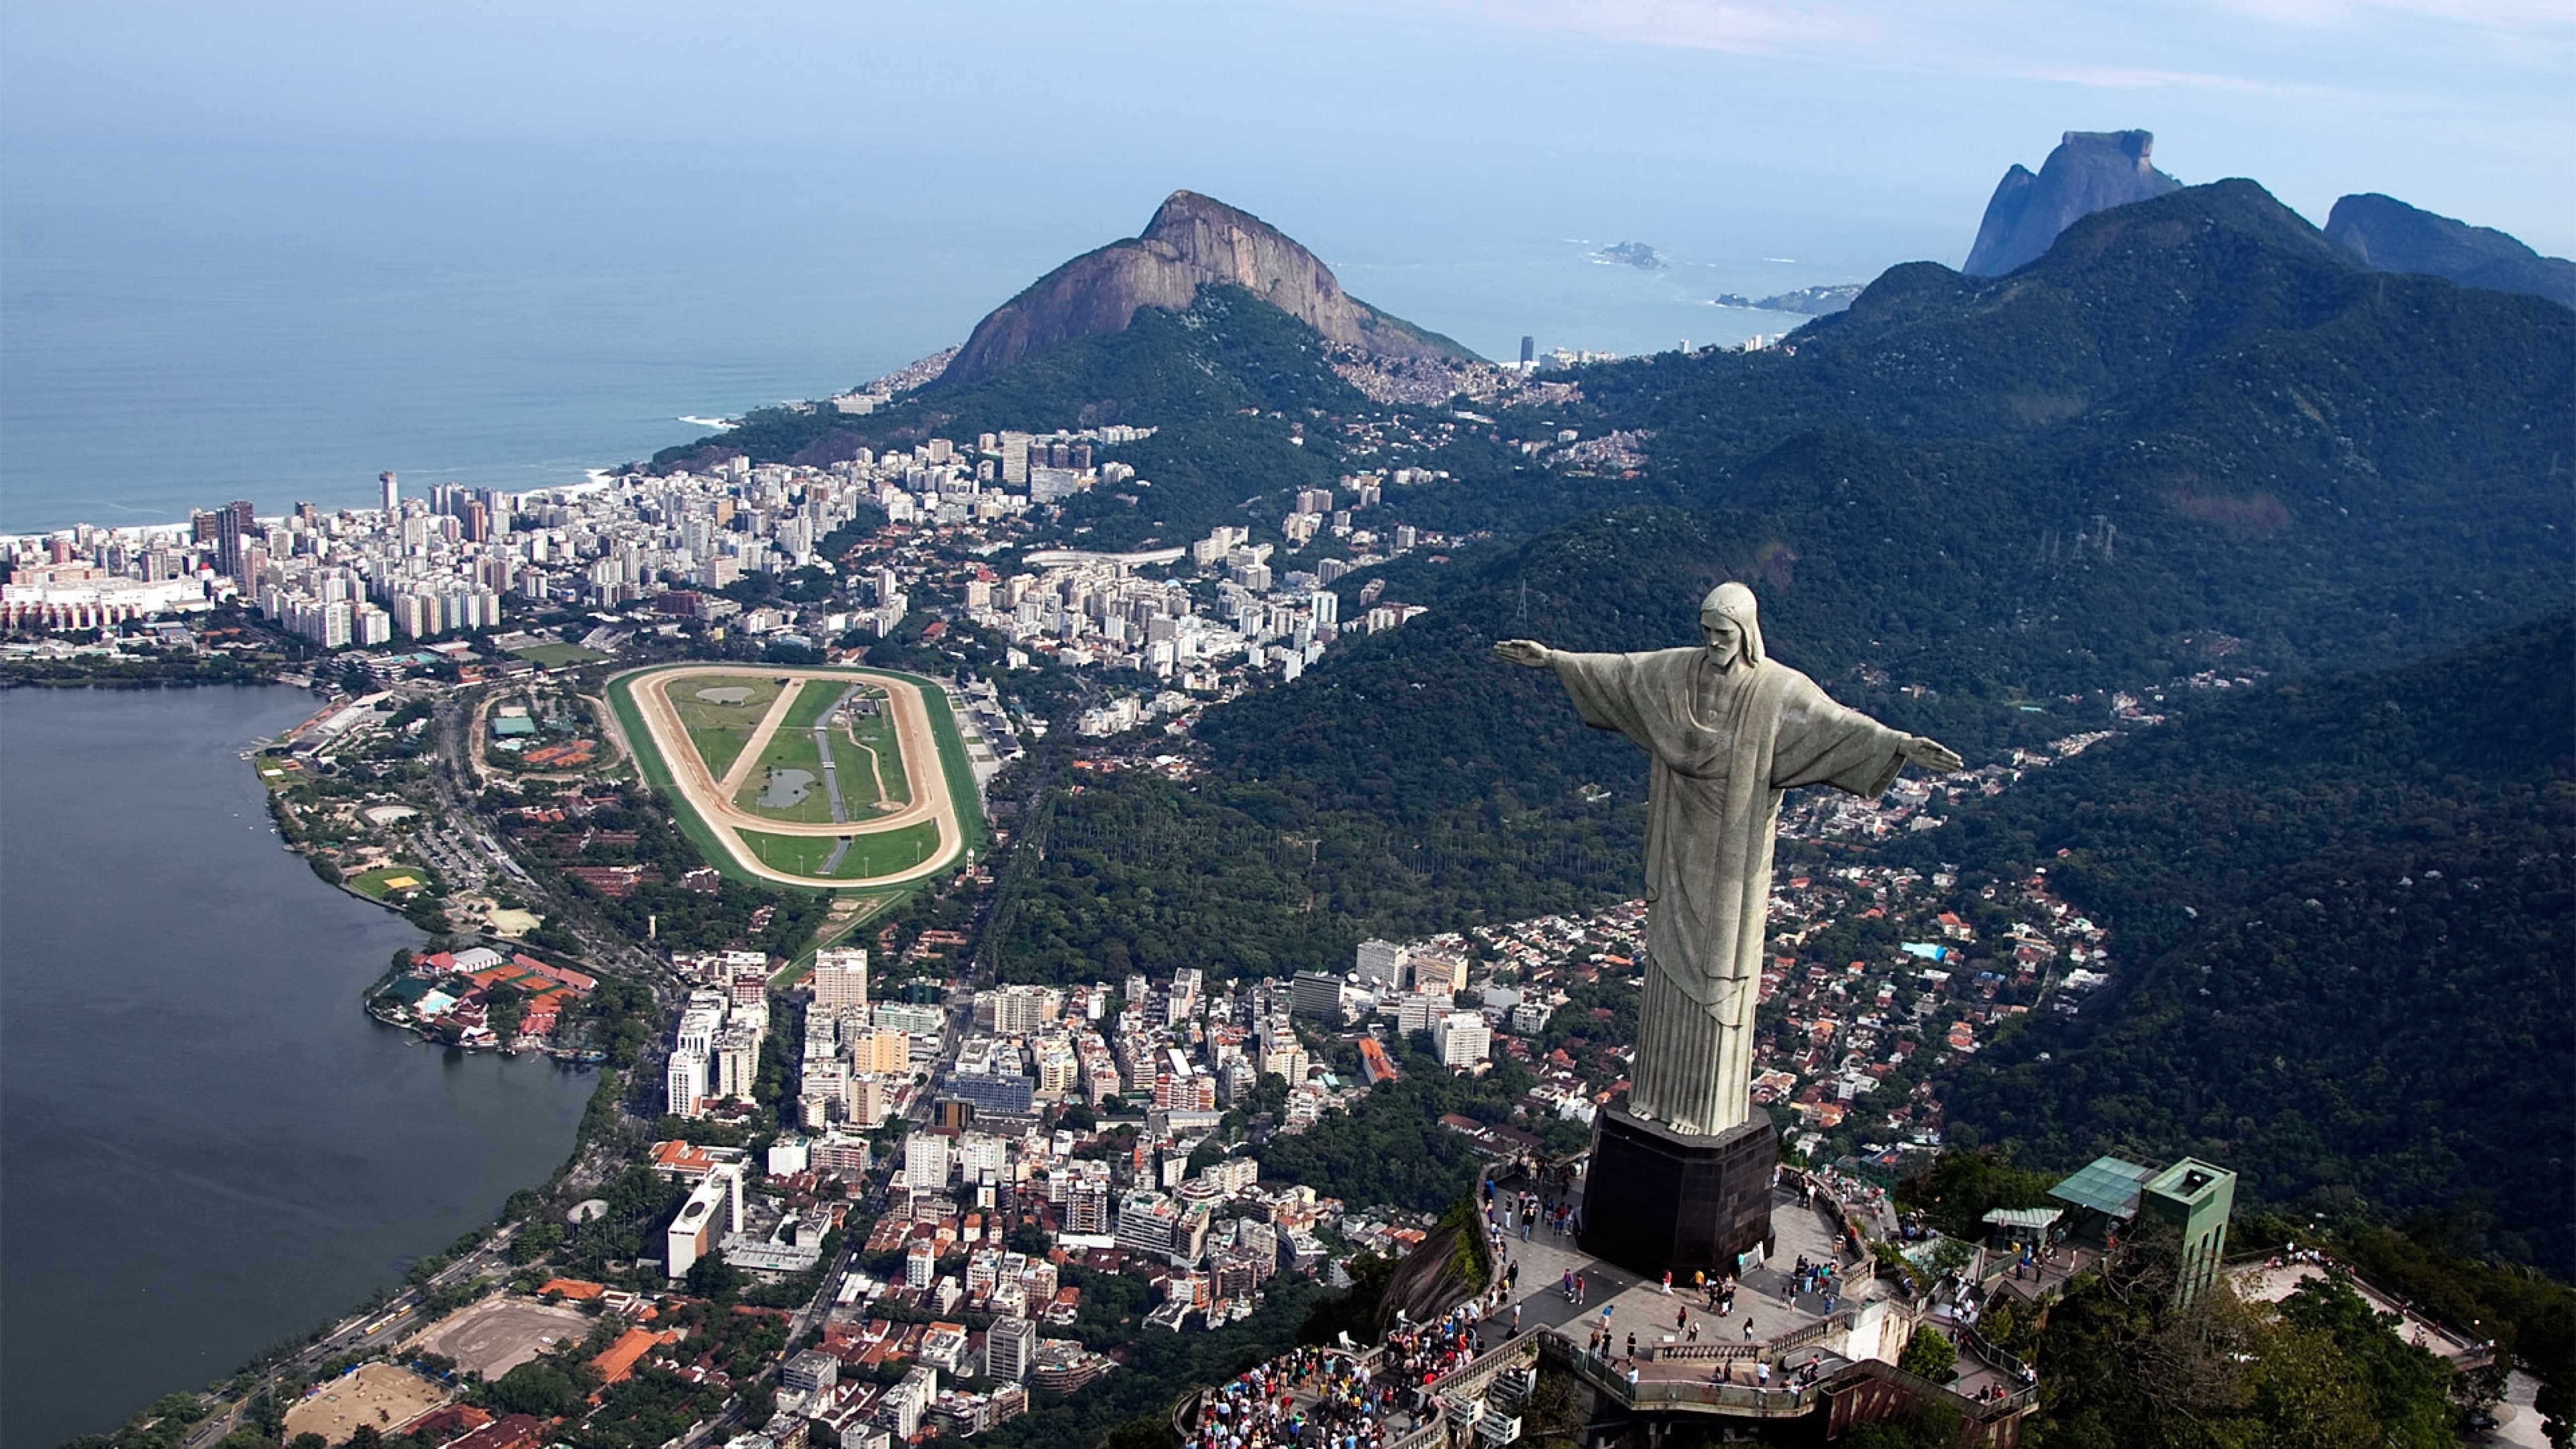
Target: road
point(463, 848)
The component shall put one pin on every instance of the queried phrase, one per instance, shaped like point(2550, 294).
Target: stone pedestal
point(1656, 1200)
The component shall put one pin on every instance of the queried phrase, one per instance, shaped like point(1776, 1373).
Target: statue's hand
point(1527, 652)
point(1930, 754)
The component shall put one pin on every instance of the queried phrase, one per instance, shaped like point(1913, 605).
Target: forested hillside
point(2192, 438)
point(2350, 904)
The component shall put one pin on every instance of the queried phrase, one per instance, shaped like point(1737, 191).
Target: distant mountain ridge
point(2387, 235)
point(2089, 171)
point(1193, 242)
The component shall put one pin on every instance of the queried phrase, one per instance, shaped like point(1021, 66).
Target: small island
point(1806, 301)
point(1634, 254)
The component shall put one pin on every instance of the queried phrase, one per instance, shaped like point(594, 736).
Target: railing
point(1431, 1430)
point(1754, 1400)
point(1840, 1321)
point(1707, 1352)
point(1659, 1394)
point(1479, 1371)
point(1816, 1332)
point(2002, 1358)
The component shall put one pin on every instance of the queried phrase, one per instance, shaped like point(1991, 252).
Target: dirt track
point(712, 798)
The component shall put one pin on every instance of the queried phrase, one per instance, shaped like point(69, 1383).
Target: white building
point(701, 1222)
point(840, 980)
point(1463, 1039)
point(925, 1161)
point(684, 1083)
point(1381, 965)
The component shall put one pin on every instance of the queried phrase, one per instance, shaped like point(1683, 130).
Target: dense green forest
point(2346, 908)
point(2124, 1365)
point(2193, 438)
point(2390, 442)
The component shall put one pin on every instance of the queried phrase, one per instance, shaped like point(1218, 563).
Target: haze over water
point(187, 330)
point(208, 1147)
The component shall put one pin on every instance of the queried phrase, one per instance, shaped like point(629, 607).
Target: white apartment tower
point(684, 1083)
point(925, 1161)
point(1463, 1039)
point(699, 1225)
point(1381, 964)
point(841, 980)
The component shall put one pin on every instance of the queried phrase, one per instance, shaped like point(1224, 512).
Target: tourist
point(1748, 1328)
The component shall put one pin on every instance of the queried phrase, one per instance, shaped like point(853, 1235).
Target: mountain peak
point(2387, 235)
point(1193, 241)
point(2088, 172)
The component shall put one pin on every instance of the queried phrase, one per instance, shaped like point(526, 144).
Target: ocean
point(181, 330)
point(209, 1148)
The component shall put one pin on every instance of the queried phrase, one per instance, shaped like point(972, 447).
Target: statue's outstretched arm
point(1931, 754)
point(1527, 652)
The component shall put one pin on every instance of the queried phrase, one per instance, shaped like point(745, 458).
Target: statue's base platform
point(1656, 1200)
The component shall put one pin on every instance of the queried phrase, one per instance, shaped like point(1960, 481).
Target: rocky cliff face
point(1193, 241)
point(2089, 171)
point(2386, 235)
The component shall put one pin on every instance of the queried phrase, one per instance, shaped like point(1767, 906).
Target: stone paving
point(1640, 1306)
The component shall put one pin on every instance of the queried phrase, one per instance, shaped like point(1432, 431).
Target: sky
point(1892, 114)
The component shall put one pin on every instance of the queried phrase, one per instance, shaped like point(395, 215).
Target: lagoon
point(209, 1148)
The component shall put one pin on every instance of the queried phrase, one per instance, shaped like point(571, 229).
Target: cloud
point(2326, 51)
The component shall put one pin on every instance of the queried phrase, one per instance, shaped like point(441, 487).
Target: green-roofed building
point(2196, 1197)
point(2106, 1185)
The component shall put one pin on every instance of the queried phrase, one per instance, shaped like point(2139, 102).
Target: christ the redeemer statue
point(1728, 730)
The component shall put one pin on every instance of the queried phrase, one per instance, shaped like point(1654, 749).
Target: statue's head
point(1728, 624)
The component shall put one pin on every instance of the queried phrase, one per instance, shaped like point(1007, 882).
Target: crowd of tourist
point(1312, 1398)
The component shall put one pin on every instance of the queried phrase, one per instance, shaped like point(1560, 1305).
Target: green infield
point(787, 782)
point(876, 776)
point(557, 656)
point(868, 857)
point(721, 713)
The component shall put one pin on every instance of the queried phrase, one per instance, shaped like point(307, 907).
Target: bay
point(206, 1147)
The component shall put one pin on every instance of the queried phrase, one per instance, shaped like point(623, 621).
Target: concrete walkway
point(1640, 1306)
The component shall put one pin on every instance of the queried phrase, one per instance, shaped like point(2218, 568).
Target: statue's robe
point(1725, 744)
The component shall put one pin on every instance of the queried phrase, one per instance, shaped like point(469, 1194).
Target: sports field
point(557, 656)
point(378, 1396)
point(388, 880)
point(736, 748)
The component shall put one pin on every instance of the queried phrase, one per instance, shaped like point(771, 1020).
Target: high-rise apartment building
point(840, 980)
point(1010, 1347)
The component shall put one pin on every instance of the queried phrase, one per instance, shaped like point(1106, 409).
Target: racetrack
point(712, 799)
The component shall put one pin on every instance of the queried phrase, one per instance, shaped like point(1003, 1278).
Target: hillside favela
point(1970, 851)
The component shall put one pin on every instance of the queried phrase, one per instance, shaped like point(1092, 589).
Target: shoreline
point(249, 1349)
point(593, 479)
